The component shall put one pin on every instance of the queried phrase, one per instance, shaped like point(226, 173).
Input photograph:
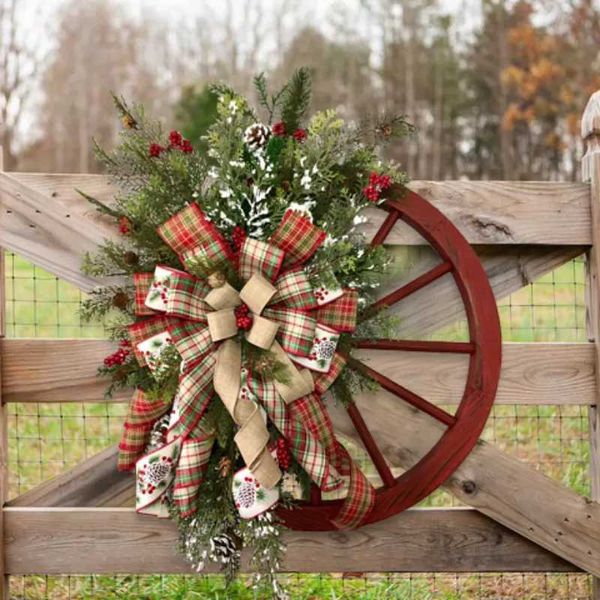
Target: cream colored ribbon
point(252, 437)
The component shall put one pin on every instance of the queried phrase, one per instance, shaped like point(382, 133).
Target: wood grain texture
point(503, 212)
point(69, 541)
point(52, 234)
point(39, 370)
point(93, 482)
point(496, 484)
point(532, 373)
point(590, 129)
point(486, 212)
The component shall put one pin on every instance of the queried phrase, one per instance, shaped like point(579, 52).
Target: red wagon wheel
point(484, 351)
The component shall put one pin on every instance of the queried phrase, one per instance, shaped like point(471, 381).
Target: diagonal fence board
point(93, 482)
point(486, 212)
point(37, 370)
point(108, 540)
point(47, 233)
point(496, 484)
point(508, 269)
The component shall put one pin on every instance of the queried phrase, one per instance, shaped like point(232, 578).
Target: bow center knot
point(235, 311)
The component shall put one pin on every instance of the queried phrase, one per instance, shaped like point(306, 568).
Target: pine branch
point(296, 99)
point(100, 205)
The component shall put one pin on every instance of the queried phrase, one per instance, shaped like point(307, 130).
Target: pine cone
point(120, 300)
point(256, 136)
point(131, 258)
point(223, 546)
point(216, 279)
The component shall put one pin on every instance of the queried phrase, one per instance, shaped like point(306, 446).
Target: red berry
point(175, 138)
point(124, 226)
point(278, 128)
point(186, 146)
point(371, 193)
point(155, 150)
point(300, 135)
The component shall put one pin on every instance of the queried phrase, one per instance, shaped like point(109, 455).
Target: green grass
point(44, 439)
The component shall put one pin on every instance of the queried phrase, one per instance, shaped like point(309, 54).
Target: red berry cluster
point(120, 356)
point(176, 142)
point(278, 129)
point(283, 454)
point(155, 150)
point(377, 184)
point(124, 226)
point(238, 237)
point(242, 317)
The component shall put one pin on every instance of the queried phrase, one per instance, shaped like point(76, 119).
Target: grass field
point(46, 439)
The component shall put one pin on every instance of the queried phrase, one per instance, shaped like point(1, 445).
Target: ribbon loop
point(257, 293)
point(222, 324)
point(225, 296)
point(262, 333)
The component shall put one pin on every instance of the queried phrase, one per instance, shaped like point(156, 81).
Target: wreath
point(234, 291)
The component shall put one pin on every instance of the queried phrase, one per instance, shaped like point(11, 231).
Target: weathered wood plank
point(93, 482)
point(590, 131)
point(69, 541)
point(52, 235)
point(496, 484)
point(36, 370)
point(486, 212)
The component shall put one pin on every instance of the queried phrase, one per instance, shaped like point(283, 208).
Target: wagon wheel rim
point(483, 348)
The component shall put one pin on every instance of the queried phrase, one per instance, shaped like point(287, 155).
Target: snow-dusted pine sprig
point(263, 535)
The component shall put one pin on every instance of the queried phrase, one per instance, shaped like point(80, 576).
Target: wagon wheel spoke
point(385, 228)
point(371, 446)
point(414, 345)
point(395, 388)
point(411, 287)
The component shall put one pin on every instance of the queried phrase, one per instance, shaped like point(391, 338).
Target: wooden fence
point(518, 520)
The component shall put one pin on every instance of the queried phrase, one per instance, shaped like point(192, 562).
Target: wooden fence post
point(4, 591)
point(590, 131)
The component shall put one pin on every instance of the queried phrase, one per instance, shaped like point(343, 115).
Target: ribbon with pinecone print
point(204, 318)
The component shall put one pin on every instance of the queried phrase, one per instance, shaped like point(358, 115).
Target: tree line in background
point(500, 101)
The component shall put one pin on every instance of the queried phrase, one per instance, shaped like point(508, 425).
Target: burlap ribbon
point(252, 437)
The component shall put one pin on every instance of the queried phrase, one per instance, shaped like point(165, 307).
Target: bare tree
point(19, 65)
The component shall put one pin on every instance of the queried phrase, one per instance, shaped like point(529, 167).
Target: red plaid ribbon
point(296, 329)
point(191, 235)
point(294, 290)
point(303, 444)
point(297, 237)
point(340, 314)
point(193, 461)
point(260, 257)
point(141, 416)
point(142, 283)
point(360, 498)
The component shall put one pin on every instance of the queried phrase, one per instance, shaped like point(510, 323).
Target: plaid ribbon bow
point(176, 308)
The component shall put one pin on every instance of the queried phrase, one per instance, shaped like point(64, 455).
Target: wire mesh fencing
point(47, 438)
